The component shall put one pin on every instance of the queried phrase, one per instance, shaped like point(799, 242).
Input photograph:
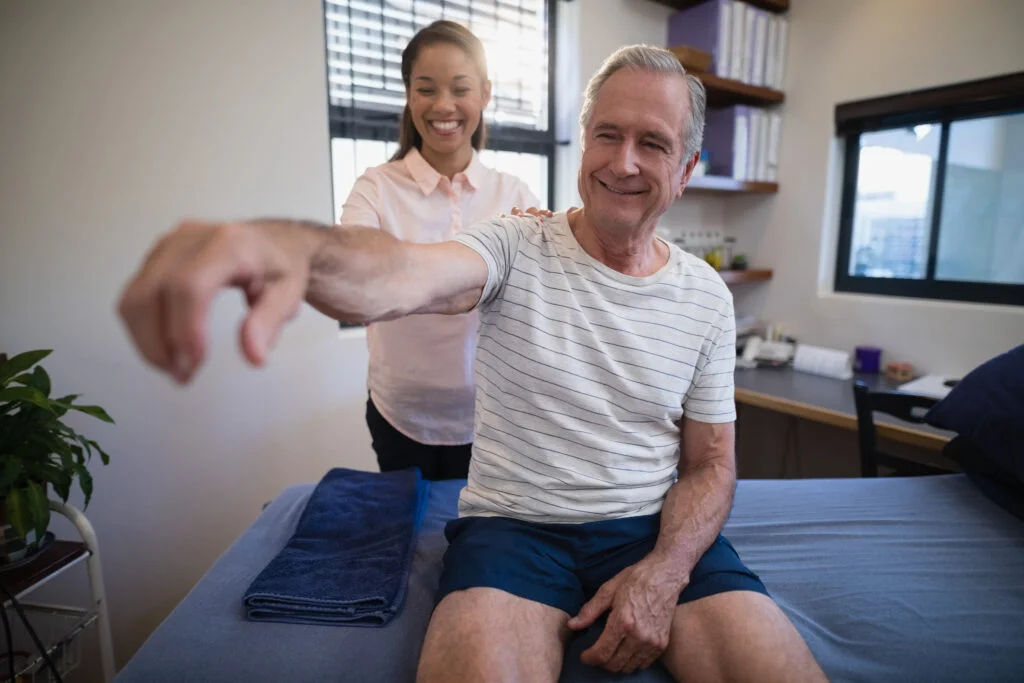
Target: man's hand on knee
point(642, 600)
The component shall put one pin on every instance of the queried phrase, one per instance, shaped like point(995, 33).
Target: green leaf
point(39, 508)
point(60, 448)
point(103, 454)
point(61, 483)
point(86, 446)
point(27, 395)
point(95, 411)
point(45, 472)
point(9, 471)
point(20, 363)
point(18, 512)
point(85, 481)
point(63, 405)
point(40, 380)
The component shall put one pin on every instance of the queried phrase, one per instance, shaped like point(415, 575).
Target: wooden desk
point(830, 401)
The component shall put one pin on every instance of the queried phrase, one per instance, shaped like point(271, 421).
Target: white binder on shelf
point(738, 19)
point(771, 46)
point(753, 157)
point(760, 40)
point(740, 146)
point(780, 53)
point(774, 137)
point(723, 62)
point(750, 21)
point(762, 152)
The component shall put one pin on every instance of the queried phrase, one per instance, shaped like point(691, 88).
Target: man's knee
point(737, 635)
point(488, 634)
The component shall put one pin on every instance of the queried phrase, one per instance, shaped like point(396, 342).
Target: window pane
point(892, 214)
point(981, 233)
point(365, 39)
point(532, 169)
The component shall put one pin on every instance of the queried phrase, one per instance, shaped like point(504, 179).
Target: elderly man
point(603, 465)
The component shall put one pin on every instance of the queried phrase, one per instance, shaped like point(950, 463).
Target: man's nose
point(624, 163)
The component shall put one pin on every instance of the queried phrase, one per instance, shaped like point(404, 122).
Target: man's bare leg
point(485, 634)
point(737, 636)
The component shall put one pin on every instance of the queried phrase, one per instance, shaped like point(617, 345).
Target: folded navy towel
point(348, 561)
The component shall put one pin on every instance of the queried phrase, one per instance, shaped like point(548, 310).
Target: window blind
point(365, 39)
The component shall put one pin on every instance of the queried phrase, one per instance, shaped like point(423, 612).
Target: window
point(933, 193)
point(365, 39)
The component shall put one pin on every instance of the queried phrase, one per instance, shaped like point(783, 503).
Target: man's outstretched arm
point(354, 275)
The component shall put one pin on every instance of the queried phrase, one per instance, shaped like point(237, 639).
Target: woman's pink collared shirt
point(421, 367)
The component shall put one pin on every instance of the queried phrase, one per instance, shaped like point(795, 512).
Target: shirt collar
point(427, 177)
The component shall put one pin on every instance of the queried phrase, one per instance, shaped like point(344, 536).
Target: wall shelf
point(777, 6)
point(724, 92)
point(710, 184)
point(732, 277)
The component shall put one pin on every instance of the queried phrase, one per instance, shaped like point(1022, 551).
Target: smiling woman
point(420, 408)
point(367, 95)
point(444, 70)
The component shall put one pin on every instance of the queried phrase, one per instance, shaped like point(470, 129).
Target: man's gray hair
point(657, 60)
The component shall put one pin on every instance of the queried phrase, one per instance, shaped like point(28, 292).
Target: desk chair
point(907, 407)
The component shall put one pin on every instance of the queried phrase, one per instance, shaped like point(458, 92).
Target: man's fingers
point(142, 303)
point(594, 608)
point(601, 652)
point(625, 655)
point(188, 294)
point(276, 303)
point(642, 659)
point(142, 313)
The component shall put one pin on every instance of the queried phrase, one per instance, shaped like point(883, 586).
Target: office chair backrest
point(907, 407)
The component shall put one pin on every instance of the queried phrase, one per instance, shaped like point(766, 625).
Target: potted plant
point(37, 451)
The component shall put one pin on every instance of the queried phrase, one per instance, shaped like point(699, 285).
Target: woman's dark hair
point(438, 32)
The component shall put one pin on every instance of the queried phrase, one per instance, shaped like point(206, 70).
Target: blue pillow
point(986, 407)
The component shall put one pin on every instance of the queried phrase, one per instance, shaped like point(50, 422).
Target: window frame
point(940, 107)
point(364, 124)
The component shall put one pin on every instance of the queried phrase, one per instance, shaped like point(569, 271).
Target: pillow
point(996, 484)
point(986, 407)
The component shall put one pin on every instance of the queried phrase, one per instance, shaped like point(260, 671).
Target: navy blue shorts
point(563, 565)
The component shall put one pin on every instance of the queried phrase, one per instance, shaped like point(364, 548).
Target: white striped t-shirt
point(583, 374)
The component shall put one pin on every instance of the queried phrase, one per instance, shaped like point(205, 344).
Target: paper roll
point(822, 361)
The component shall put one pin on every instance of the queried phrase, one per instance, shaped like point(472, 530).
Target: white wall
point(841, 51)
point(118, 119)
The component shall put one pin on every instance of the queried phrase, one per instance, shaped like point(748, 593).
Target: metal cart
point(59, 626)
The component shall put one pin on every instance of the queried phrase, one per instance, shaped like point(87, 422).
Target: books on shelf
point(706, 27)
point(746, 43)
point(743, 143)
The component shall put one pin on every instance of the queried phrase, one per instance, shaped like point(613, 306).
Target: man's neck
point(638, 254)
point(448, 164)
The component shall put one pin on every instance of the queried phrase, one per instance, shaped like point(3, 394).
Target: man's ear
point(691, 164)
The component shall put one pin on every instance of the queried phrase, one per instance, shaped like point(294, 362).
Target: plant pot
point(15, 551)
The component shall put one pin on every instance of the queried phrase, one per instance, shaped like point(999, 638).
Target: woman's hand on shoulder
point(532, 211)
